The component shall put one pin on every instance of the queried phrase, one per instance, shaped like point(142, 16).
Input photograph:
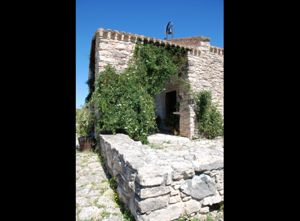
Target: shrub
point(125, 101)
point(124, 105)
point(84, 122)
point(210, 123)
point(154, 66)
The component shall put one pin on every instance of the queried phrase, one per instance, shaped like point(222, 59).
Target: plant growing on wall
point(154, 67)
point(210, 123)
point(126, 101)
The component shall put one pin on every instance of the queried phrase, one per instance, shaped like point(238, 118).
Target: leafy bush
point(125, 101)
point(154, 66)
point(124, 105)
point(84, 122)
point(209, 119)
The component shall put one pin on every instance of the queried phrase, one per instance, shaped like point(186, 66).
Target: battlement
point(180, 42)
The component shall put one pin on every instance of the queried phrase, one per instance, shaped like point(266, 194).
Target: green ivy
point(210, 123)
point(154, 66)
point(125, 101)
point(124, 105)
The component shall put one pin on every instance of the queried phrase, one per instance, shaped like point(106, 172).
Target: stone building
point(204, 72)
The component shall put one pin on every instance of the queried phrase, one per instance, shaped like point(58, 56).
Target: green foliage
point(186, 218)
point(209, 217)
point(113, 183)
point(154, 67)
point(84, 122)
point(125, 101)
point(209, 119)
point(124, 105)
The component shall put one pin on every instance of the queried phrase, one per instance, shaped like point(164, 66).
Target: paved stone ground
point(94, 197)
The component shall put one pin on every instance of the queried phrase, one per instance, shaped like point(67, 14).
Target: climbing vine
point(210, 123)
point(125, 101)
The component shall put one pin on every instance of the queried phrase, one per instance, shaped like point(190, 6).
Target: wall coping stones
point(134, 38)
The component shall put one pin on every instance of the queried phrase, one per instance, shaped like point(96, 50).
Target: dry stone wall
point(162, 185)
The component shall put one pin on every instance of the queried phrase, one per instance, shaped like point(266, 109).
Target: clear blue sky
point(149, 18)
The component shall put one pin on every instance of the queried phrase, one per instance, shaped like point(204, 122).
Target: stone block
point(192, 206)
point(172, 212)
point(144, 193)
point(150, 204)
point(199, 187)
point(174, 199)
point(212, 199)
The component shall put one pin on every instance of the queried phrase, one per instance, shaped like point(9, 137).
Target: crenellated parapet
point(134, 38)
point(217, 50)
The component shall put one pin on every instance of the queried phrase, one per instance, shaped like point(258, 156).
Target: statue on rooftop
point(169, 30)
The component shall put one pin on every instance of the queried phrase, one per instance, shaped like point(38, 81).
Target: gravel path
point(94, 197)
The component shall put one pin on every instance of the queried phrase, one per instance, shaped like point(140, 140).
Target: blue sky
point(149, 18)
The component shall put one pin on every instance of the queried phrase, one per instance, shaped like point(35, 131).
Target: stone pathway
point(94, 197)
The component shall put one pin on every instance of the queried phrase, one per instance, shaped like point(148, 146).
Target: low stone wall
point(161, 185)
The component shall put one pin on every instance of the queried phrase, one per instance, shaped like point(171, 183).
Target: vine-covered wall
point(204, 71)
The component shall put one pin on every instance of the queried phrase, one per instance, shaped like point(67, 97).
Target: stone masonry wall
point(112, 49)
point(160, 185)
point(206, 73)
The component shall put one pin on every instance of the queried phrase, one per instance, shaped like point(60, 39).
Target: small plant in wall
point(209, 119)
point(84, 128)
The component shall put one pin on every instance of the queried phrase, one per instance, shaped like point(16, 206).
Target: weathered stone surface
point(198, 167)
point(192, 206)
point(94, 198)
point(89, 213)
point(212, 199)
point(199, 187)
point(144, 193)
point(177, 184)
point(150, 204)
point(174, 199)
point(149, 176)
point(174, 192)
point(172, 212)
point(187, 198)
point(221, 192)
point(204, 210)
point(182, 170)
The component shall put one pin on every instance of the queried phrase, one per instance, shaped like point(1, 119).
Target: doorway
point(172, 120)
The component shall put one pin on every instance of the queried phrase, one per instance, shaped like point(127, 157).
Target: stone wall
point(113, 49)
point(162, 185)
point(206, 73)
